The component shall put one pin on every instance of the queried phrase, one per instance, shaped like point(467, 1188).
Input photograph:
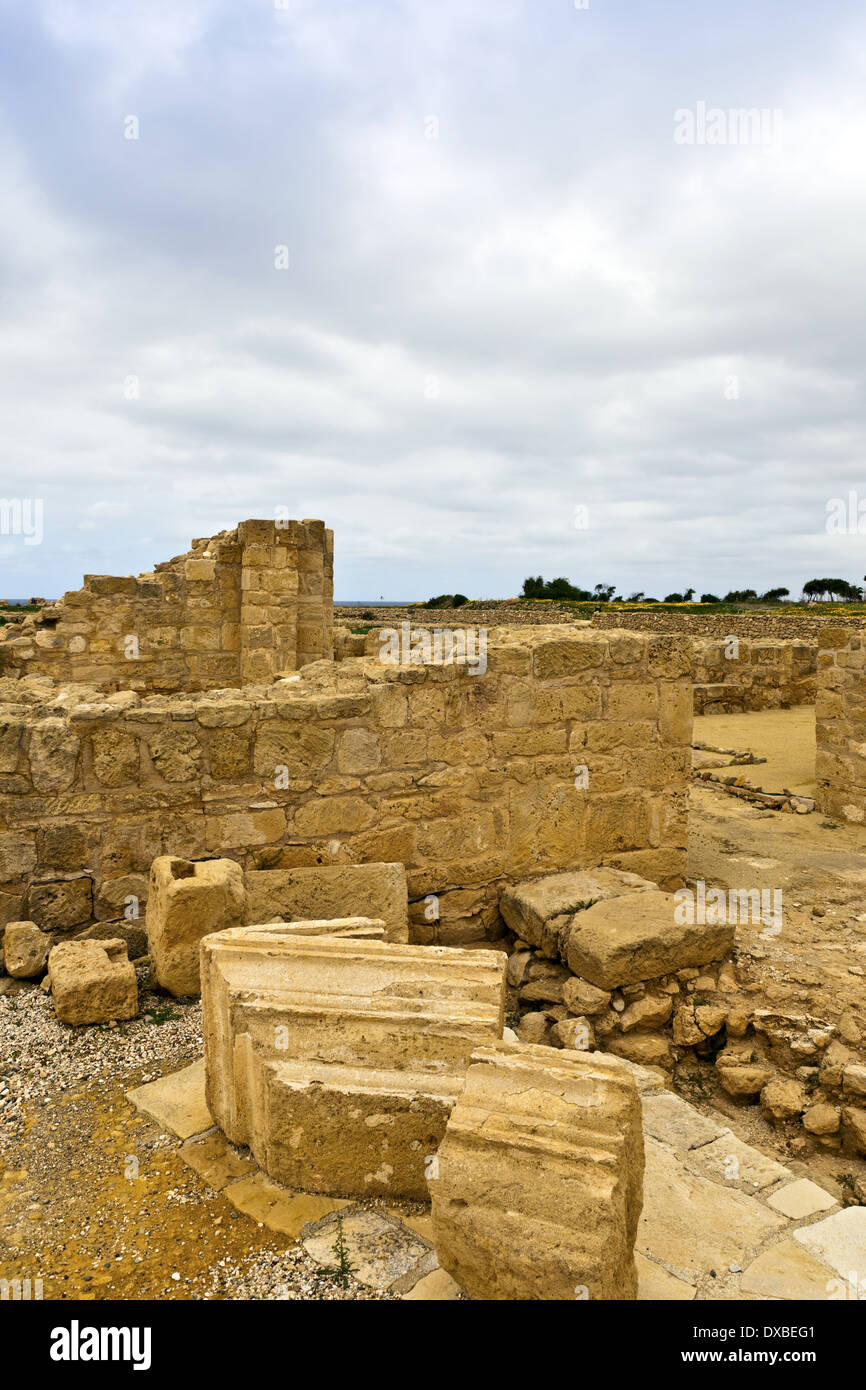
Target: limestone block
point(637, 937)
point(92, 982)
point(351, 1130)
point(17, 856)
point(185, 902)
point(25, 950)
point(537, 1185)
point(529, 908)
point(62, 902)
point(331, 890)
point(338, 1060)
point(53, 755)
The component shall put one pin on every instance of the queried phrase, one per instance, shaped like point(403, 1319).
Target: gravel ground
point(40, 1057)
point(76, 1215)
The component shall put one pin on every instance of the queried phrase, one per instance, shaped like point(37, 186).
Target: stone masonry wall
point(238, 608)
point(568, 751)
point(764, 674)
point(781, 625)
point(840, 725)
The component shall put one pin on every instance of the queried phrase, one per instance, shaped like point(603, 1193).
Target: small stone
point(738, 1023)
point(651, 1011)
point(580, 997)
point(573, 1033)
point(849, 1032)
point(853, 1079)
point(783, 1098)
point(822, 1119)
point(25, 949)
point(532, 1028)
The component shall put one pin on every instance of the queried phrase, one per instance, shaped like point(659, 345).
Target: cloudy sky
point(515, 300)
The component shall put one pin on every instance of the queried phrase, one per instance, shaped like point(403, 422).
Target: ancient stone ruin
point(433, 912)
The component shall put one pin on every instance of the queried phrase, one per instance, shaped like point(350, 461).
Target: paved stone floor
point(720, 1219)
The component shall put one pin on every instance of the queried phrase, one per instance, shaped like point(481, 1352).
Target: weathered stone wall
point(840, 725)
point(763, 674)
point(237, 608)
point(570, 750)
point(766, 624)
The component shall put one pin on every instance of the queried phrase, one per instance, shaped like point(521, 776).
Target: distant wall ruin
point(840, 725)
point(753, 674)
point(235, 609)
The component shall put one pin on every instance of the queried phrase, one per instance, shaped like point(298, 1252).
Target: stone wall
point(840, 726)
point(569, 750)
point(765, 624)
point(240, 607)
point(763, 674)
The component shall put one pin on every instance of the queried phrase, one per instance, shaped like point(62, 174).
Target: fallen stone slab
point(331, 890)
point(25, 950)
point(356, 1131)
point(540, 910)
point(176, 1101)
point(338, 1060)
point(186, 901)
point(630, 939)
point(536, 1187)
point(382, 1253)
point(92, 982)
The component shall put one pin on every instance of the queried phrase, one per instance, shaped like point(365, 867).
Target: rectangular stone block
point(537, 1185)
point(92, 982)
point(627, 940)
point(331, 890)
point(187, 900)
point(364, 1009)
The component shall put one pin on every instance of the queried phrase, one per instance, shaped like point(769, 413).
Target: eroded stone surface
point(382, 1252)
point(187, 901)
point(92, 981)
point(376, 891)
point(338, 1060)
point(628, 939)
point(536, 1188)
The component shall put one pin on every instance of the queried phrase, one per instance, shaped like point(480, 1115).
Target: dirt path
point(785, 737)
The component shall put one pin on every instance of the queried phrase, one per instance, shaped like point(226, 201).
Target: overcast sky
point(511, 292)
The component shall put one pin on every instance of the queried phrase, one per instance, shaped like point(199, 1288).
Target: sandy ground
point(785, 737)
